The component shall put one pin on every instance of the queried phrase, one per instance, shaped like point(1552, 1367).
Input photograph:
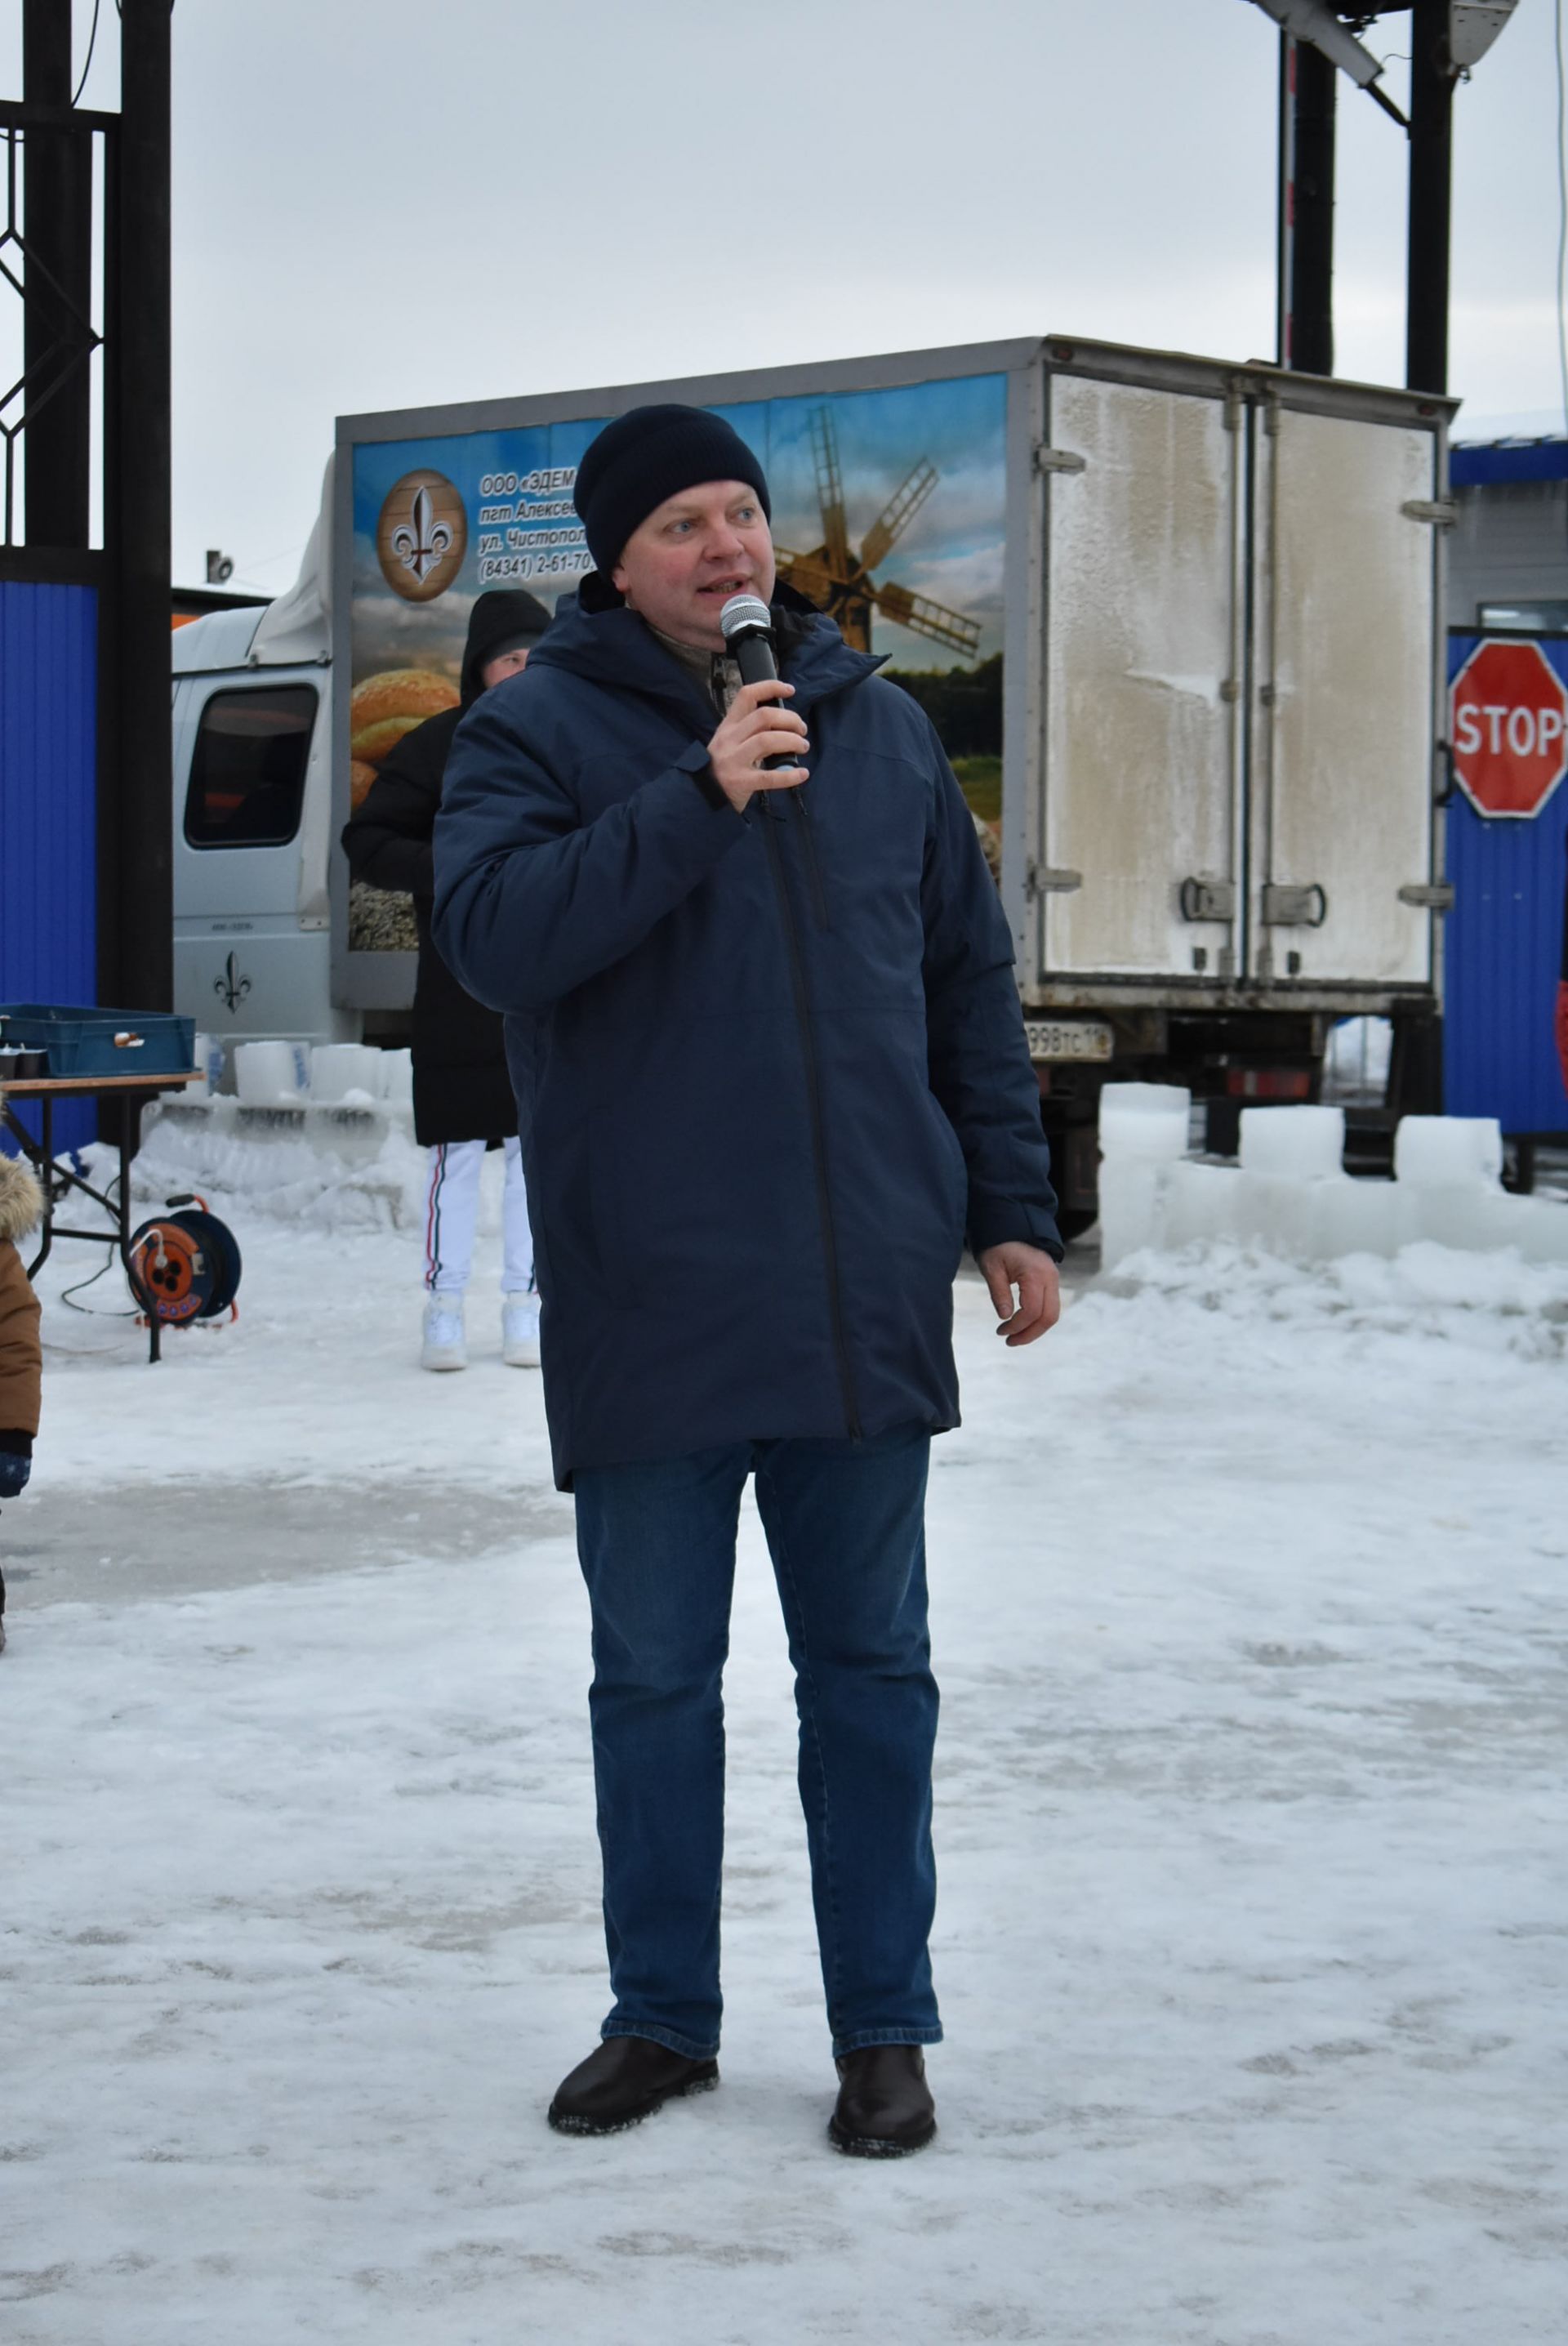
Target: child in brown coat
point(21, 1354)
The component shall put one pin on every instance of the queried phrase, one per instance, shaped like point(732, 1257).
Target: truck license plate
point(1068, 1038)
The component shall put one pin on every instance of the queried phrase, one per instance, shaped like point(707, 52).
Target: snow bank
point(353, 1165)
point(1291, 1197)
point(1495, 1303)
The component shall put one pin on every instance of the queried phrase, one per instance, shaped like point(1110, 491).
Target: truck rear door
point(1343, 714)
point(1239, 581)
point(1140, 765)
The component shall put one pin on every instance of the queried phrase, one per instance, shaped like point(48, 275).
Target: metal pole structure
point(1285, 262)
point(1432, 79)
point(136, 521)
point(56, 273)
point(1419, 1047)
point(1312, 240)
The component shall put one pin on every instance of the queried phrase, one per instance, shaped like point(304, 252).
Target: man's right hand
point(755, 728)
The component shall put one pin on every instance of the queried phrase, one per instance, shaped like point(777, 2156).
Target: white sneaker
point(520, 1331)
point(443, 1346)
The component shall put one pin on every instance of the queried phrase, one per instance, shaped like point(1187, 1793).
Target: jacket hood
point(21, 1199)
point(498, 616)
point(596, 635)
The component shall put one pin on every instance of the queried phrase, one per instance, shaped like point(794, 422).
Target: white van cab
point(253, 820)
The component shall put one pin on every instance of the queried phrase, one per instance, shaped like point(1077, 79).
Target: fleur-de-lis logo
point(231, 986)
point(421, 547)
point(422, 534)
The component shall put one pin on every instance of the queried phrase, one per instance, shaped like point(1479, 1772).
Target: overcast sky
point(394, 204)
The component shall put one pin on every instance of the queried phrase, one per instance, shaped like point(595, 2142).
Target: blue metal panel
point(1485, 462)
point(48, 805)
point(1503, 951)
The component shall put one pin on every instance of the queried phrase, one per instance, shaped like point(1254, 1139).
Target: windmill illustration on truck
point(839, 580)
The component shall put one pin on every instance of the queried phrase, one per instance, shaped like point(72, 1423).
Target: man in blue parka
point(770, 1071)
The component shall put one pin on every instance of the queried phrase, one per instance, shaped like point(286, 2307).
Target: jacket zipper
point(819, 1136)
point(813, 868)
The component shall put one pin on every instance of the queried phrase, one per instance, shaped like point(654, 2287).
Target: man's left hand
point(1034, 1275)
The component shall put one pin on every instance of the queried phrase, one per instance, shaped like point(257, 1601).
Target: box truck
point(1177, 619)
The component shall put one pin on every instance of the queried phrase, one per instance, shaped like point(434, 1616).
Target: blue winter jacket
point(769, 1067)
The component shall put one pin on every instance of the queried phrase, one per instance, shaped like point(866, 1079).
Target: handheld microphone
point(747, 628)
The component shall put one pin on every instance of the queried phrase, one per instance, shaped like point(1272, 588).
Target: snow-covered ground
point(1253, 1941)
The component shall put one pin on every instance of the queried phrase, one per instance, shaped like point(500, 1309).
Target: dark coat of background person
point(770, 1067)
point(461, 1090)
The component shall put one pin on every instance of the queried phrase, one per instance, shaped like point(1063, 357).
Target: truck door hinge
point(1293, 908)
point(1441, 511)
point(1059, 460)
point(1436, 896)
point(1045, 879)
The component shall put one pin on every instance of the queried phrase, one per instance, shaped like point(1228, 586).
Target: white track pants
point(452, 1216)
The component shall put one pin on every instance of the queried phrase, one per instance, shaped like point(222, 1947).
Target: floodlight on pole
point(1472, 26)
point(1312, 21)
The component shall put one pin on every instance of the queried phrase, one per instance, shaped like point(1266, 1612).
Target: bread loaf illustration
point(372, 744)
point(384, 707)
point(399, 692)
point(361, 774)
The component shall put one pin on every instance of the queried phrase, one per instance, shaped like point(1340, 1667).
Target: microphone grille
point(744, 612)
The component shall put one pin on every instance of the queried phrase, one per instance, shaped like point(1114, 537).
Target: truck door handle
point(1208, 900)
point(1293, 908)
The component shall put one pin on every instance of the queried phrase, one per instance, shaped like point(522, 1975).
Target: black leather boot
point(623, 2080)
point(885, 2110)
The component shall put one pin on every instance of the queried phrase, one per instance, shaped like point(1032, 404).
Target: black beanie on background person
point(501, 619)
point(647, 456)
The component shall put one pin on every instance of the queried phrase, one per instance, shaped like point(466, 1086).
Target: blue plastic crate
point(102, 1042)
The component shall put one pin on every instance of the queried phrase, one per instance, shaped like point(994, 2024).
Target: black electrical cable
point(92, 44)
point(109, 1260)
point(85, 1308)
point(87, 66)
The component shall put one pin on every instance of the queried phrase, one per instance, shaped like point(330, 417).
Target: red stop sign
point(1510, 728)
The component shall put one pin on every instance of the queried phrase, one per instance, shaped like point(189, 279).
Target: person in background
point(21, 1354)
point(462, 1101)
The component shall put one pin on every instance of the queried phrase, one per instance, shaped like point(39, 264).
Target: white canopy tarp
point(297, 626)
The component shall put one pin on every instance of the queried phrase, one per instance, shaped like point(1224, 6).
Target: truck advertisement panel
point(890, 511)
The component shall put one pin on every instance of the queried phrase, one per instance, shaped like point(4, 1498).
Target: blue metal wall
point(48, 805)
point(1484, 464)
point(1503, 951)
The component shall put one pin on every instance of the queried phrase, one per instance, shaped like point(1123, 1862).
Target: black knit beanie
point(647, 456)
point(504, 616)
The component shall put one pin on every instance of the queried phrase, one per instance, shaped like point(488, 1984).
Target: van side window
point(248, 767)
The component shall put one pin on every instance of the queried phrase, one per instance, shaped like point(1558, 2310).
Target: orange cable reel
point(184, 1266)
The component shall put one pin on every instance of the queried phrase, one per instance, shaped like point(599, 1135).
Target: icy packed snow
point(1248, 1609)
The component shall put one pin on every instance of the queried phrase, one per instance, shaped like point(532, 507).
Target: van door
point(243, 967)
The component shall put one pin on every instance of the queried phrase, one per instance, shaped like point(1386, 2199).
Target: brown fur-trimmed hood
point(21, 1199)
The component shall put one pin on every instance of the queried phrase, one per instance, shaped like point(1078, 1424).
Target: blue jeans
point(845, 1525)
